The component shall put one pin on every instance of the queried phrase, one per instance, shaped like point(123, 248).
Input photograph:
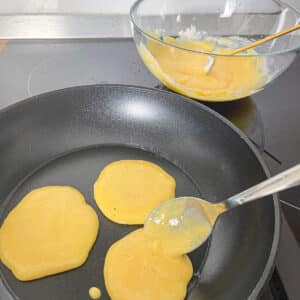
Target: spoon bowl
point(183, 224)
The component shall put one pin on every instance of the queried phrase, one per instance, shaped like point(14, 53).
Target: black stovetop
point(269, 118)
point(275, 289)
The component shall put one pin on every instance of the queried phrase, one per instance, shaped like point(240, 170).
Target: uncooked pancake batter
point(183, 71)
point(135, 268)
point(51, 230)
point(95, 293)
point(127, 190)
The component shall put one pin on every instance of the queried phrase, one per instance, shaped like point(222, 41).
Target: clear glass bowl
point(178, 41)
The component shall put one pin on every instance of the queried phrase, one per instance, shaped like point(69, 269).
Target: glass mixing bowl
point(187, 44)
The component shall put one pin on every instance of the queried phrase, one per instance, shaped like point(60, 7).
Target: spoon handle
point(266, 39)
point(277, 183)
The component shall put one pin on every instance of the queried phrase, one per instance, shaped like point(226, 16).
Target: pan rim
point(264, 277)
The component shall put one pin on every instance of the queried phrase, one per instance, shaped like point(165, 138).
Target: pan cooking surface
point(66, 137)
point(80, 169)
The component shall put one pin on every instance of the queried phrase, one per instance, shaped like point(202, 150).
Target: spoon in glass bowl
point(211, 60)
point(182, 224)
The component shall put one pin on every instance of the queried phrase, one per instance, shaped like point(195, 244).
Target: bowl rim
point(281, 3)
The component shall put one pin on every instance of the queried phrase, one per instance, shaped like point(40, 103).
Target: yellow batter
point(50, 231)
point(126, 191)
point(95, 293)
point(184, 71)
point(136, 269)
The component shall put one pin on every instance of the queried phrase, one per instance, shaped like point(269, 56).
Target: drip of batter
point(94, 293)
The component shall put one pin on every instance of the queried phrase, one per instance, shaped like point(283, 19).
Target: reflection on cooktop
point(245, 115)
point(242, 113)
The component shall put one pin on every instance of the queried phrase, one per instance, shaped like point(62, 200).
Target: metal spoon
point(184, 223)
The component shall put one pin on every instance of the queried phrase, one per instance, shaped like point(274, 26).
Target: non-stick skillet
point(68, 136)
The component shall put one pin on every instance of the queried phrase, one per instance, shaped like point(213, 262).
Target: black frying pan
point(66, 137)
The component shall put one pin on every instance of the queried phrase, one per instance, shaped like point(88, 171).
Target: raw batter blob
point(127, 190)
point(50, 231)
point(135, 268)
point(94, 293)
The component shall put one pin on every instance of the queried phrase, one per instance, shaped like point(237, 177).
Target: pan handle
point(282, 181)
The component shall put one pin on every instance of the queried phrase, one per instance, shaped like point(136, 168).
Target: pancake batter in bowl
point(184, 71)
